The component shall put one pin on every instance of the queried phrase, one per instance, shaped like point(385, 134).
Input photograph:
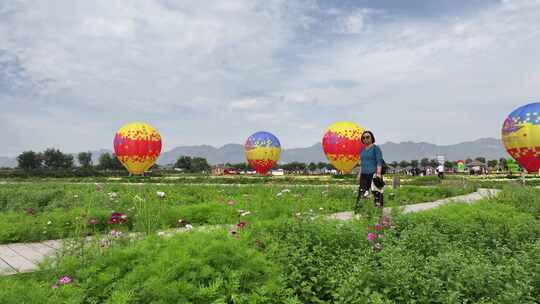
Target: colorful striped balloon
point(521, 136)
point(262, 151)
point(342, 145)
point(137, 146)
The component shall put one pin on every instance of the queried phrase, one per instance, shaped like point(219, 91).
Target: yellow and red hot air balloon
point(521, 136)
point(137, 145)
point(262, 151)
point(342, 145)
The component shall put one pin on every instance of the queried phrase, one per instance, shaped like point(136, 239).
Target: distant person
point(370, 174)
point(440, 171)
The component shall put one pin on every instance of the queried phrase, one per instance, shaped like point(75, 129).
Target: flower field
point(274, 248)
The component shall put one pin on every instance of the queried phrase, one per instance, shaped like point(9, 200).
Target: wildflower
point(104, 242)
point(279, 194)
point(112, 195)
point(55, 286)
point(117, 218)
point(241, 225)
point(64, 280)
point(285, 190)
point(378, 226)
point(188, 227)
point(160, 194)
point(183, 222)
point(371, 236)
point(115, 233)
point(231, 203)
point(381, 236)
point(92, 222)
point(378, 247)
point(29, 210)
point(75, 196)
point(49, 222)
point(297, 214)
point(321, 208)
point(161, 233)
point(245, 213)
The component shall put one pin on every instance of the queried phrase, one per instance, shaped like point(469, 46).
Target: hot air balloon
point(342, 145)
point(521, 136)
point(137, 145)
point(262, 151)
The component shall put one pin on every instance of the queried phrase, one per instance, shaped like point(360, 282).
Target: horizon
point(111, 149)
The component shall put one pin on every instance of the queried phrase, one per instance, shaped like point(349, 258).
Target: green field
point(281, 250)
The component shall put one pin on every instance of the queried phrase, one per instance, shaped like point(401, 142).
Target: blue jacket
point(370, 159)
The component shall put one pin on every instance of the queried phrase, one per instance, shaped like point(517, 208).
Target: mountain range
point(490, 148)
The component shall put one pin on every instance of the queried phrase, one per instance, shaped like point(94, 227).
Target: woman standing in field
point(371, 164)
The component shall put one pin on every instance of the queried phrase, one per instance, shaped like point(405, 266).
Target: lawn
point(488, 252)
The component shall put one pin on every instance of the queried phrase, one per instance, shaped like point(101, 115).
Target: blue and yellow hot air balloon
point(521, 136)
point(262, 151)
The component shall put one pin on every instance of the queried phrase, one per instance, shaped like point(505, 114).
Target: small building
point(222, 169)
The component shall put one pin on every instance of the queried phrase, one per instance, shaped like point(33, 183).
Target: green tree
point(184, 162)
point(493, 163)
point(403, 163)
point(29, 160)
point(414, 163)
point(85, 159)
point(481, 159)
point(424, 162)
point(55, 159)
point(312, 166)
point(199, 164)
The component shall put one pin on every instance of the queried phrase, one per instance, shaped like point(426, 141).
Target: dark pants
point(365, 185)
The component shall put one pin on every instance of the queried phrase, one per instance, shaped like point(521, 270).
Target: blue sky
point(214, 72)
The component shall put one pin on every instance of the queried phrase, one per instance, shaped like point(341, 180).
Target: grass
point(488, 252)
point(40, 211)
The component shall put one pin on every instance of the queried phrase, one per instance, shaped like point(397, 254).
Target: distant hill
point(489, 148)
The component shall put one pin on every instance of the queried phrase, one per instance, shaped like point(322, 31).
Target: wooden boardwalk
point(26, 257)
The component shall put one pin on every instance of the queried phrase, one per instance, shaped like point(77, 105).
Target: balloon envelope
point(137, 145)
point(262, 151)
point(521, 136)
point(342, 145)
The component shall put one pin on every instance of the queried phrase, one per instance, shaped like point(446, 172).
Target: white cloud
point(211, 72)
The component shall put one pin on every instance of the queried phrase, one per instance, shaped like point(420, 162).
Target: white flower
point(160, 194)
point(285, 190)
point(241, 210)
point(279, 194)
point(124, 217)
point(245, 213)
point(321, 208)
point(161, 233)
point(189, 227)
point(76, 196)
point(112, 195)
point(49, 222)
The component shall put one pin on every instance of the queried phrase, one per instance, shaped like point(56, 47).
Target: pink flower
point(55, 286)
point(231, 203)
point(29, 210)
point(381, 236)
point(378, 226)
point(65, 280)
point(370, 236)
point(117, 218)
point(92, 222)
point(241, 225)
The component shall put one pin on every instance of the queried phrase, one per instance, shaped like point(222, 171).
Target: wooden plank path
point(26, 257)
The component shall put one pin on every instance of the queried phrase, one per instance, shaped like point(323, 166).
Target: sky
point(214, 72)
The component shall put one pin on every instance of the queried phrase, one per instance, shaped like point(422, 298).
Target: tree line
point(54, 159)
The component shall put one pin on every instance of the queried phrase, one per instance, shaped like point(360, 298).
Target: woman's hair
point(371, 134)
